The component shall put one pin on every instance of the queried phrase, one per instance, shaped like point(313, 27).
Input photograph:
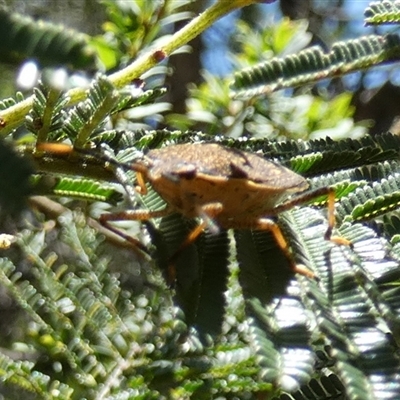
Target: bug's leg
point(141, 188)
point(332, 221)
point(133, 215)
point(208, 212)
point(273, 227)
point(313, 194)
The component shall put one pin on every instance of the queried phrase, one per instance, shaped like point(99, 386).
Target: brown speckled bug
point(226, 188)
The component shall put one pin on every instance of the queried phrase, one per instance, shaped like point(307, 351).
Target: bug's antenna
point(140, 168)
point(107, 157)
point(67, 150)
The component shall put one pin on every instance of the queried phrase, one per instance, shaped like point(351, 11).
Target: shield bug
point(224, 187)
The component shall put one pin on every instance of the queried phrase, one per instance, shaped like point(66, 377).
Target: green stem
point(15, 115)
point(180, 38)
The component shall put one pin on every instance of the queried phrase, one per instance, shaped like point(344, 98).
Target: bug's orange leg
point(332, 221)
point(273, 227)
point(134, 215)
point(141, 188)
point(313, 194)
point(208, 212)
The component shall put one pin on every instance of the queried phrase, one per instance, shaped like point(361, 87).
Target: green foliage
point(133, 26)
point(22, 38)
point(6, 103)
point(47, 116)
point(86, 320)
point(382, 12)
point(271, 115)
point(84, 189)
point(100, 322)
point(313, 64)
point(89, 115)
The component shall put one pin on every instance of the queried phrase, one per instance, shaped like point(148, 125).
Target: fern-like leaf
point(88, 115)
point(382, 12)
point(46, 118)
point(7, 103)
point(347, 301)
point(211, 283)
point(313, 64)
point(83, 189)
point(130, 100)
point(23, 38)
